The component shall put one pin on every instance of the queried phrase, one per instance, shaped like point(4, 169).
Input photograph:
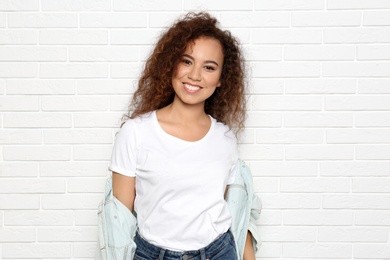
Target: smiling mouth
point(191, 88)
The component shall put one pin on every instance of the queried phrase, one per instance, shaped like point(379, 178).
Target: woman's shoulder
point(138, 120)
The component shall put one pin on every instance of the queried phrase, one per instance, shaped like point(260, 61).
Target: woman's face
point(198, 73)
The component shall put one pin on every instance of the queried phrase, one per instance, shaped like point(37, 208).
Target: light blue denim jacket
point(117, 225)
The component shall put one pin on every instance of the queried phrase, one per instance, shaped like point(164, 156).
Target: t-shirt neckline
point(162, 131)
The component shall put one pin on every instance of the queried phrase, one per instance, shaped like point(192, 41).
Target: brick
point(81, 70)
point(76, 5)
point(103, 54)
point(18, 70)
point(67, 234)
point(357, 103)
point(260, 152)
point(89, 185)
point(316, 250)
point(12, 201)
point(73, 169)
point(372, 18)
point(372, 218)
point(40, 87)
point(71, 202)
point(219, 5)
point(113, 20)
point(20, 136)
point(357, 4)
point(289, 5)
point(78, 136)
point(153, 5)
point(371, 251)
point(352, 234)
point(242, 35)
point(125, 70)
point(374, 86)
point(109, 86)
point(19, 5)
point(287, 36)
point(318, 119)
point(358, 136)
point(36, 153)
point(267, 86)
point(373, 152)
point(290, 201)
point(17, 234)
point(3, 20)
point(365, 202)
point(38, 218)
point(285, 69)
point(84, 249)
point(256, 119)
point(372, 119)
point(288, 234)
point(75, 103)
point(134, 37)
point(92, 152)
point(32, 54)
point(325, 19)
point(255, 19)
point(31, 186)
point(19, 103)
point(18, 169)
point(287, 103)
point(162, 19)
point(317, 152)
point(318, 218)
point(357, 35)
point(93, 120)
point(319, 53)
point(373, 184)
point(321, 185)
point(120, 103)
point(353, 69)
point(18, 37)
point(42, 20)
point(73, 37)
point(37, 120)
point(284, 169)
point(355, 169)
point(266, 185)
point(289, 136)
point(263, 53)
point(38, 250)
point(85, 217)
point(373, 52)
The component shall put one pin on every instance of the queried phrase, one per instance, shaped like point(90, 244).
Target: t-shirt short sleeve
point(233, 169)
point(123, 158)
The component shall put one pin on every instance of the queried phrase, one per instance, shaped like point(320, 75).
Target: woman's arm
point(249, 251)
point(124, 189)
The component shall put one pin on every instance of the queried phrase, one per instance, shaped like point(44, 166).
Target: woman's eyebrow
point(207, 61)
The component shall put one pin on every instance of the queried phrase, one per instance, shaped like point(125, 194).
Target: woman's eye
point(186, 62)
point(209, 68)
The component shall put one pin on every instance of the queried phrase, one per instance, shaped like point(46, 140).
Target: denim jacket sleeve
point(116, 228)
point(245, 207)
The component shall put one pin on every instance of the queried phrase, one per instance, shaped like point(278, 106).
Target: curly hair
point(155, 91)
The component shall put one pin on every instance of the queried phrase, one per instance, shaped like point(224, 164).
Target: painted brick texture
point(318, 128)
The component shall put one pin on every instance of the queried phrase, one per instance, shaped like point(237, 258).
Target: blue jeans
point(223, 248)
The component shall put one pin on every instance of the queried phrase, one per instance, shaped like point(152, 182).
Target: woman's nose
point(194, 74)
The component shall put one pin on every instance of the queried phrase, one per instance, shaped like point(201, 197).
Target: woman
point(175, 155)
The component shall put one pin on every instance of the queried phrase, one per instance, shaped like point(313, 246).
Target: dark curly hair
point(155, 91)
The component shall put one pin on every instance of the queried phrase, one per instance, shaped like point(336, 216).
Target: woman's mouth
point(191, 88)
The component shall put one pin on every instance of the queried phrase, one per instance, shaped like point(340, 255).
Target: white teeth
point(192, 88)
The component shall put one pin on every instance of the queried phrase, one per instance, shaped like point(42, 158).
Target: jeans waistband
point(161, 253)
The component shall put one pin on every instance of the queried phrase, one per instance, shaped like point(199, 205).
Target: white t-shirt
point(180, 185)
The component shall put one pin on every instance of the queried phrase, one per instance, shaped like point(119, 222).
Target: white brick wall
point(318, 129)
